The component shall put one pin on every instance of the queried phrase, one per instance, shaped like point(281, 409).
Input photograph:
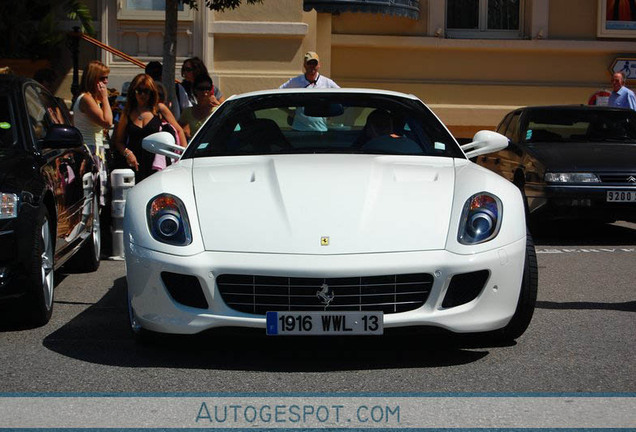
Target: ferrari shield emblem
point(324, 241)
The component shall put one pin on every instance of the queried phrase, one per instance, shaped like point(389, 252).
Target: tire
point(38, 302)
point(87, 258)
point(527, 298)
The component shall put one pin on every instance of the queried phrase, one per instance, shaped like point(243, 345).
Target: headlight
point(571, 178)
point(8, 205)
point(481, 219)
point(168, 220)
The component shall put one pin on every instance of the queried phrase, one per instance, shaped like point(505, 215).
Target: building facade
point(471, 61)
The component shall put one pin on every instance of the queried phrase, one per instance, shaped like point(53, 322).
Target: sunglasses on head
point(142, 91)
point(203, 88)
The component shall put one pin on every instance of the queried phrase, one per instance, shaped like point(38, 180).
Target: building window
point(499, 19)
point(149, 10)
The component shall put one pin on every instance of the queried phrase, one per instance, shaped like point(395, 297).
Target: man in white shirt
point(621, 96)
point(310, 79)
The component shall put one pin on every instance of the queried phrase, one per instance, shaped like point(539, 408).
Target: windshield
point(293, 123)
point(555, 126)
point(7, 126)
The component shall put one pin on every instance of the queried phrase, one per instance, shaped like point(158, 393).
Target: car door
point(492, 161)
point(63, 168)
point(510, 159)
point(506, 161)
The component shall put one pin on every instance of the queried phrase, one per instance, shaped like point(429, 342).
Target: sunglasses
point(203, 88)
point(103, 78)
point(187, 69)
point(142, 91)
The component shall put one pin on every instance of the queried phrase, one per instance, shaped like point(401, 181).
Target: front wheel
point(527, 298)
point(38, 302)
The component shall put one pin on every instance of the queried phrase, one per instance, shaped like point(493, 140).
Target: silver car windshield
point(323, 123)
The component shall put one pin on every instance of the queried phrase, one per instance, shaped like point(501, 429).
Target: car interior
point(339, 128)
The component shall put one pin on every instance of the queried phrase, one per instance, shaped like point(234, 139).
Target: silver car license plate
point(325, 323)
point(621, 196)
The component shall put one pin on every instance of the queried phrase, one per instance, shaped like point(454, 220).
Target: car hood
point(323, 204)
point(587, 156)
point(11, 161)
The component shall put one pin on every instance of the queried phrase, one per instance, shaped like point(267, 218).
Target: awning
point(405, 8)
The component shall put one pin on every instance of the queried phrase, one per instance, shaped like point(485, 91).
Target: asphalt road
point(581, 339)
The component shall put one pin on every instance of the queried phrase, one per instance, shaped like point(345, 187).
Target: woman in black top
point(142, 116)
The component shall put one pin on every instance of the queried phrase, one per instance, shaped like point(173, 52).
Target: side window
point(38, 115)
point(504, 124)
point(512, 132)
point(484, 18)
point(53, 111)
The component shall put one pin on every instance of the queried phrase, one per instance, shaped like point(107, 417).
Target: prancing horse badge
point(324, 241)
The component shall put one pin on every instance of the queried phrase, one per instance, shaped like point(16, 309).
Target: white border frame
point(603, 31)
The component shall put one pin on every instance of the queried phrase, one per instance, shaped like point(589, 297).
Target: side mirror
point(322, 109)
point(162, 143)
point(485, 142)
point(62, 137)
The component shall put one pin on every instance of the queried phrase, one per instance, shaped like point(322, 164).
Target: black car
point(571, 162)
point(49, 188)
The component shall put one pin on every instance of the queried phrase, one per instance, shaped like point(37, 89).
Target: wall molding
point(264, 28)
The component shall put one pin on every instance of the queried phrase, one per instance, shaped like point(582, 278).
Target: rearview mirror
point(323, 110)
point(162, 143)
point(485, 142)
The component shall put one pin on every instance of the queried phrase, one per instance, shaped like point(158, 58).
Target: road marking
point(587, 250)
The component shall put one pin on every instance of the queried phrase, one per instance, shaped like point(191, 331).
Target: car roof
point(375, 92)
point(571, 108)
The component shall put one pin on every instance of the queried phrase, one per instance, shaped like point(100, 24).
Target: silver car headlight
point(481, 219)
point(565, 177)
point(168, 220)
point(8, 205)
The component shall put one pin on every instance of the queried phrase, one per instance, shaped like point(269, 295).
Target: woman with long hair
point(92, 114)
point(142, 116)
point(193, 117)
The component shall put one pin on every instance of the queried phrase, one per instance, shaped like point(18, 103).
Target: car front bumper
point(156, 310)
point(586, 202)
point(12, 266)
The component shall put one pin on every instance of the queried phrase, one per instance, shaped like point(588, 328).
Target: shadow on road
point(100, 335)
point(582, 233)
point(620, 307)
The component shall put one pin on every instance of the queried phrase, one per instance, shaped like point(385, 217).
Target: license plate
point(325, 323)
point(621, 196)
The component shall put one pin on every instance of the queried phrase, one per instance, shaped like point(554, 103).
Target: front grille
point(628, 179)
point(388, 293)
